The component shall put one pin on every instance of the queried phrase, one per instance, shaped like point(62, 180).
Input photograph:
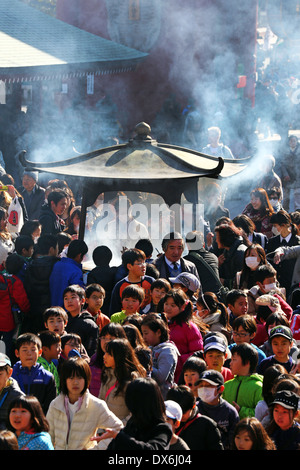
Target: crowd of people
point(193, 349)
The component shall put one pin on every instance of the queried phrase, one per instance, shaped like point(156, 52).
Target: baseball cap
point(281, 330)
point(287, 399)
point(189, 280)
point(173, 410)
point(4, 360)
point(213, 377)
point(215, 342)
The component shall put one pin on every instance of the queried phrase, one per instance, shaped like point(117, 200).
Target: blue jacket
point(36, 381)
point(65, 273)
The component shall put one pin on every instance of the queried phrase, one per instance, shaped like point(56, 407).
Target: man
point(68, 271)
point(171, 263)
point(214, 147)
point(33, 194)
point(51, 212)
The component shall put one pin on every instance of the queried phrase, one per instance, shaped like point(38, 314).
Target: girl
point(284, 429)
point(73, 227)
point(142, 351)
point(27, 420)
point(75, 415)
point(121, 366)
point(108, 332)
point(183, 331)
point(214, 314)
point(259, 210)
point(164, 352)
point(249, 434)
point(254, 257)
point(271, 374)
point(147, 428)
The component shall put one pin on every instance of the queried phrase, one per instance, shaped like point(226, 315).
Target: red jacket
point(18, 295)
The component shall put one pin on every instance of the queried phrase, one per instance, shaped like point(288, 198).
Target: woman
point(254, 257)
point(259, 210)
point(73, 227)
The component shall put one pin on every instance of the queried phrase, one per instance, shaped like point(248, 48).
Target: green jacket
point(51, 368)
point(246, 391)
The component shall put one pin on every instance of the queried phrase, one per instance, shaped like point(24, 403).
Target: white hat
point(173, 410)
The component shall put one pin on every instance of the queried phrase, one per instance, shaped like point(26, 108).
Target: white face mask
point(269, 287)
point(251, 262)
point(207, 394)
point(275, 231)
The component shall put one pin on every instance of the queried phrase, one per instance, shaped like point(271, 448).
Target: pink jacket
point(188, 340)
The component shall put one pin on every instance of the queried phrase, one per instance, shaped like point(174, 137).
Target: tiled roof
point(34, 43)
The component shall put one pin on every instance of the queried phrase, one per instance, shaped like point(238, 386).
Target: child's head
point(158, 289)
point(5, 370)
point(55, 319)
point(102, 255)
point(191, 371)
point(173, 413)
point(75, 367)
point(281, 340)
point(249, 434)
point(285, 408)
point(237, 302)
point(210, 386)
point(14, 263)
point(74, 298)
point(244, 329)
point(244, 359)
point(266, 278)
point(28, 348)
point(132, 298)
point(24, 246)
point(188, 282)
point(154, 329)
point(51, 344)
point(94, 297)
point(63, 240)
point(134, 260)
point(134, 336)
point(215, 351)
point(110, 331)
point(8, 440)
point(70, 342)
point(145, 244)
point(25, 414)
point(271, 376)
point(177, 306)
point(182, 395)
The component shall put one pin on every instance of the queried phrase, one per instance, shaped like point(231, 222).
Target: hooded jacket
point(11, 291)
point(165, 357)
point(246, 391)
point(7, 395)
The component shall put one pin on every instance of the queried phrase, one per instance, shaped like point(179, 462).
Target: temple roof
point(34, 45)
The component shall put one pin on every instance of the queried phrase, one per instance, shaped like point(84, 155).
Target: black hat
point(213, 377)
point(281, 330)
point(287, 399)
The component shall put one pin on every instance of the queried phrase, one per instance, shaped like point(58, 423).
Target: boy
point(244, 391)
point(135, 262)
point(281, 339)
point(24, 246)
point(9, 389)
point(132, 298)
point(237, 302)
point(244, 330)
point(174, 415)
point(51, 350)
point(158, 290)
point(215, 354)
point(80, 322)
point(31, 376)
point(94, 298)
point(198, 431)
point(266, 282)
point(210, 388)
point(55, 320)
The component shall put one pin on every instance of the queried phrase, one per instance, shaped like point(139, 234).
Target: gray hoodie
point(165, 356)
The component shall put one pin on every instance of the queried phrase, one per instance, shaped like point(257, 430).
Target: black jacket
point(85, 326)
point(200, 432)
point(51, 224)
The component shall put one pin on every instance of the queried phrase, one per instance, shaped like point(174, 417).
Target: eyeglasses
point(241, 335)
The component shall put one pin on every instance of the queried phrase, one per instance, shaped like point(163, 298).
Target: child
point(198, 431)
point(94, 298)
point(215, 354)
point(210, 387)
point(24, 246)
point(76, 415)
point(55, 319)
point(271, 375)
point(165, 354)
point(51, 350)
point(244, 330)
point(284, 429)
point(158, 290)
point(28, 421)
point(281, 340)
point(135, 262)
point(266, 283)
point(244, 391)
point(79, 321)
point(9, 388)
point(191, 371)
point(121, 367)
point(8, 440)
point(237, 302)
point(183, 331)
point(31, 376)
point(214, 314)
point(250, 434)
point(174, 415)
point(188, 282)
point(132, 299)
